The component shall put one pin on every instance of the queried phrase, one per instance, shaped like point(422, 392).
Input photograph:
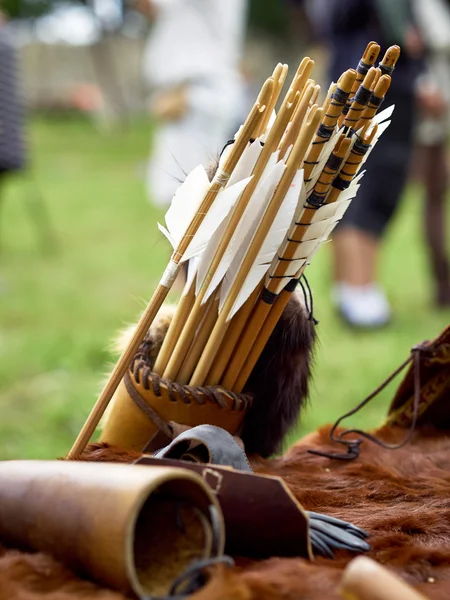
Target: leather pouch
point(144, 405)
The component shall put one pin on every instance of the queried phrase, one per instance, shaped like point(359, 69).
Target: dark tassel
point(279, 381)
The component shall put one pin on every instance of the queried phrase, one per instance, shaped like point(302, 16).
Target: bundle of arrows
point(248, 234)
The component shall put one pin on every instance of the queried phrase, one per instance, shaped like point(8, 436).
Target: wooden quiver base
point(146, 409)
point(117, 524)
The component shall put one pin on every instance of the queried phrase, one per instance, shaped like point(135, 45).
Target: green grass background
point(59, 311)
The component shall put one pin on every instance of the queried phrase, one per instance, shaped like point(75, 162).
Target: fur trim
point(279, 381)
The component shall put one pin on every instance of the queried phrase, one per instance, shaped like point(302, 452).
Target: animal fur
point(278, 383)
point(401, 497)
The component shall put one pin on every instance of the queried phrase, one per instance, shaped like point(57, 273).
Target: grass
point(59, 311)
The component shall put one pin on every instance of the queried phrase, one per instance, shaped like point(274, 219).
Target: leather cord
point(353, 446)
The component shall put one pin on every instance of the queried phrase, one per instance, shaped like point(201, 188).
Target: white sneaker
point(362, 306)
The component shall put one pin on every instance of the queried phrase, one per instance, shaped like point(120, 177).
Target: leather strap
point(207, 444)
point(262, 516)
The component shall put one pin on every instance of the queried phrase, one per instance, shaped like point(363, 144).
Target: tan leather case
point(128, 427)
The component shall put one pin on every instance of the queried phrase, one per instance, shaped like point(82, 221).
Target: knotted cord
point(353, 446)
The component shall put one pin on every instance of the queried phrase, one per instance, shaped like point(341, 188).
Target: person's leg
point(435, 178)
point(355, 255)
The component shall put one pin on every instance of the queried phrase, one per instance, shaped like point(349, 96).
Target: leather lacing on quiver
point(141, 370)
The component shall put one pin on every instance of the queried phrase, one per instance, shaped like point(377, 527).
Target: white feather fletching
point(246, 163)
point(271, 244)
point(248, 223)
point(384, 114)
point(191, 273)
point(220, 208)
point(185, 204)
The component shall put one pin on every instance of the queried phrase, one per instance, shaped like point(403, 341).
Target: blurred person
point(191, 64)
point(433, 17)
point(347, 26)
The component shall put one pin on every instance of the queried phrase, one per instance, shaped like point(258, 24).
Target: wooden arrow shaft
point(231, 338)
point(295, 159)
point(169, 276)
point(248, 339)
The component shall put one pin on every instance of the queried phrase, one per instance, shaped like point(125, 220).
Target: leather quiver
point(145, 404)
point(262, 517)
point(131, 528)
point(434, 408)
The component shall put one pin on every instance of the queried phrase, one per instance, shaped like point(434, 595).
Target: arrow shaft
point(246, 342)
point(242, 139)
point(192, 321)
point(232, 337)
point(295, 159)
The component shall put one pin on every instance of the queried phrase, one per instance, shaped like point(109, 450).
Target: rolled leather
point(129, 527)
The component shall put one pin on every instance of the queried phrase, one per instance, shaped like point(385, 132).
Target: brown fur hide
point(401, 497)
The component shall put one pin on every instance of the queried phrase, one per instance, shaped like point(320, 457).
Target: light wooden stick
point(232, 337)
point(365, 579)
point(176, 325)
point(300, 79)
point(297, 121)
point(260, 343)
point(168, 278)
point(249, 337)
point(192, 322)
point(295, 160)
point(203, 333)
point(315, 95)
point(183, 309)
point(279, 76)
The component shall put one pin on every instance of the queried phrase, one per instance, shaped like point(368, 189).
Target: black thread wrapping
point(316, 200)
point(340, 96)
point(334, 162)
point(290, 287)
point(360, 147)
point(386, 69)
point(376, 100)
point(268, 297)
point(363, 95)
point(340, 184)
point(309, 305)
point(324, 131)
point(362, 67)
